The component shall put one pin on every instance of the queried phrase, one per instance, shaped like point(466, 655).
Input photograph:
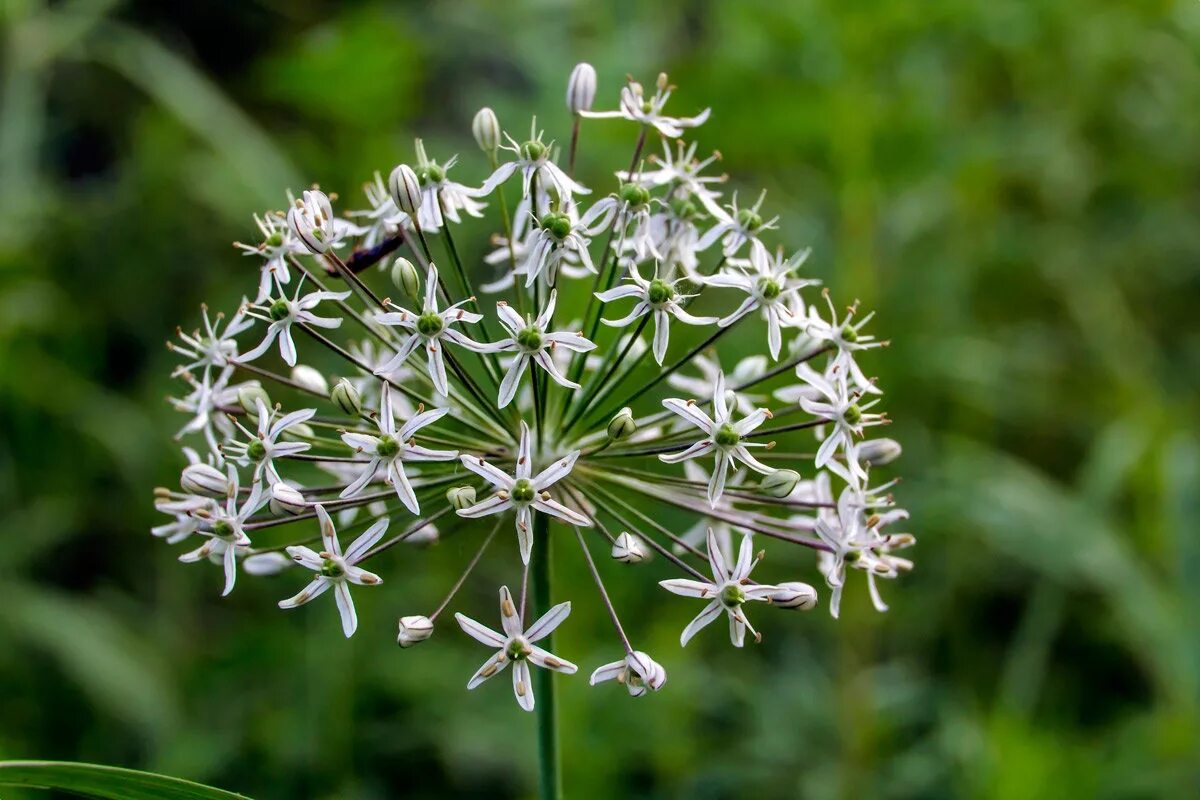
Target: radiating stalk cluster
point(397, 404)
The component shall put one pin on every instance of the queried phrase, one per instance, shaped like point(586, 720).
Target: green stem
point(549, 772)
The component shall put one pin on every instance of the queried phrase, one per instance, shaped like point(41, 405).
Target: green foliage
point(91, 780)
point(1011, 185)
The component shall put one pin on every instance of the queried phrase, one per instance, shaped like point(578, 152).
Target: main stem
point(549, 774)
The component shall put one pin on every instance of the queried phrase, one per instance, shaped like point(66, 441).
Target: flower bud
point(406, 278)
point(414, 630)
point(311, 220)
point(622, 426)
point(405, 189)
point(581, 88)
point(265, 564)
point(346, 397)
point(878, 452)
point(779, 483)
point(310, 379)
point(651, 673)
point(794, 595)
point(248, 397)
point(286, 499)
point(628, 549)
point(461, 497)
point(486, 129)
point(204, 479)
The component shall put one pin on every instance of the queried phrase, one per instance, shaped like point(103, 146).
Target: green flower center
point(274, 240)
point(732, 595)
point(530, 339)
point(634, 195)
point(749, 219)
point(331, 569)
point(533, 150)
point(683, 208)
point(223, 529)
point(726, 436)
point(516, 649)
point(853, 414)
point(256, 450)
point(769, 289)
point(522, 491)
point(388, 447)
point(647, 107)
point(559, 225)
point(849, 334)
point(279, 310)
point(660, 292)
point(429, 324)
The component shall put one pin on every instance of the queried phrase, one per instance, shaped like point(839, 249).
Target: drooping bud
point(248, 397)
point(486, 129)
point(651, 673)
point(794, 595)
point(310, 379)
point(311, 220)
point(628, 549)
point(780, 483)
point(286, 499)
point(405, 189)
point(878, 452)
point(414, 630)
point(622, 425)
point(261, 564)
point(461, 497)
point(204, 479)
point(581, 88)
point(346, 397)
point(406, 278)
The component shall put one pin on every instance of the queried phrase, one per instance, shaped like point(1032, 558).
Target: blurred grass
point(1013, 185)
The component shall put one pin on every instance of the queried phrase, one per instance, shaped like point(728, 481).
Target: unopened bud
point(406, 278)
point(651, 673)
point(204, 479)
point(461, 497)
point(248, 397)
point(414, 630)
point(266, 563)
point(346, 397)
point(878, 452)
point(581, 88)
point(486, 129)
point(286, 499)
point(310, 379)
point(794, 595)
point(779, 483)
point(622, 426)
point(405, 189)
point(628, 549)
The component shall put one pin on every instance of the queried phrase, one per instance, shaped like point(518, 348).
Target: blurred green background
point(1014, 185)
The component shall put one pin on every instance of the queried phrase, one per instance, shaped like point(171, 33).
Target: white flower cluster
point(432, 410)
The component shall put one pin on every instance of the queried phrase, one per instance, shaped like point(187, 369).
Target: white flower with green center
point(215, 346)
point(681, 173)
point(263, 446)
point(391, 448)
point(336, 570)
point(637, 671)
point(855, 539)
point(730, 589)
point(442, 198)
point(312, 222)
point(840, 405)
point(769, 289)
point(555, 240)
point(723, 437)
point(517, 646)
point(532, 340)
point(282, 313)
point(430, 329)
point(208, 404)
point(627, 213)
point(523, 491)
point(736, 226)
point(277, 244)
point(225, 529)
point(533, 159)
point(636, 107)
point(847, 337)
point(656, 296)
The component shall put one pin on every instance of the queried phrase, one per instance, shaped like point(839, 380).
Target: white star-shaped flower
point(635, 107)
point(262, 447)
point(430, 329)
point(655, 296)
point(723, 437)
point(517, 646)
point(215, 346)
point(769, 288)
point(839, 404)
point(336, 569)
point(282, 314)
point(729, 590)
point(392, 447)
point(638, 671)
point(523, 491)
point(533, 158)
point(224, 527)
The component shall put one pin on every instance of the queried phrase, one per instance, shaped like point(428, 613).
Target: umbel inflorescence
point(451, 413)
